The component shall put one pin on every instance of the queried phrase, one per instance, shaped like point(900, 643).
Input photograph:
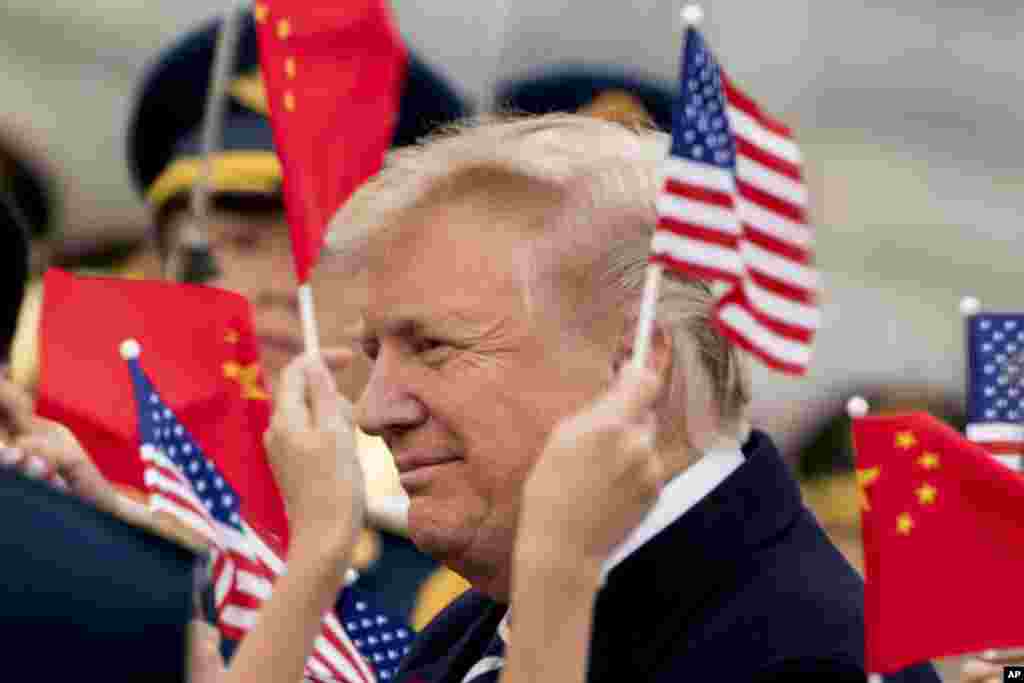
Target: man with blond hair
point(503, 265)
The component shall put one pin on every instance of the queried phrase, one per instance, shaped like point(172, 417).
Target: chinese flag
point(199, 347)
point(333, 73)
point(943, 524)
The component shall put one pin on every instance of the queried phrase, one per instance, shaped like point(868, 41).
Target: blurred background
point(908, 118)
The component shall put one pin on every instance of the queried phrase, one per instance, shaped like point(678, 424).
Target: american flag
point(995, 383)
point(186, 483)
point(733, 210)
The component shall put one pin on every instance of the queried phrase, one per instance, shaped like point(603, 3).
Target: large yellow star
point(904, 524)
point(864, 479)
point(929, 461)
point(905, 440)
point(284, 29)
point(248, 377)
point(926, 494)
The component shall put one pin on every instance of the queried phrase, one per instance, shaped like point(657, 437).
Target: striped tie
point(487, 669)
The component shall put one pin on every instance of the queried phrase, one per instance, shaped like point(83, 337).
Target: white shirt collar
point(680, 494)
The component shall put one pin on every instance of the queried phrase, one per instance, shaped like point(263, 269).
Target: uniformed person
point(249, 243)
point(607, 92)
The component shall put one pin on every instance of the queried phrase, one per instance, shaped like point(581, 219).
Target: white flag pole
point(310, 334)
point(858, 407)
point(691, 16)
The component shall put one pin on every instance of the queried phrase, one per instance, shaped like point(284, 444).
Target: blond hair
point(591, 186)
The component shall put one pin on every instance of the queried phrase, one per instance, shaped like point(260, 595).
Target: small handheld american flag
point(183, 481)
point(995, 383)
point(733, 210)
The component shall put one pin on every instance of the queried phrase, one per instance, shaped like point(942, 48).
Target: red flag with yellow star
point(942, 528)
point(333, 73)
point(198, 341)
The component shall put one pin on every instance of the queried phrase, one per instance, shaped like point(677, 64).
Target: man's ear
point(659, 357)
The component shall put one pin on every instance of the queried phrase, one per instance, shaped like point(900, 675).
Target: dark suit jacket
point(84, 595)
point(745, 587)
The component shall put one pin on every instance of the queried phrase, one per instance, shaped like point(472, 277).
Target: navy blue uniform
point(83, 593)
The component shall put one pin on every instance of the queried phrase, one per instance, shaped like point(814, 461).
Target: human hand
point(45, 449)
point(312, 451)
point(204, 661)
point(989, 667)
point(597, 477)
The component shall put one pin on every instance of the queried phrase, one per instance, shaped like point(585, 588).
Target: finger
point(641, 436)
point(337, 357)
point(290, 402)
point(9, 457)
point(35, 467)
point(633, 394)
point(977, 671)
point(67, 466)
point(1013, 656)
point(328, 407)
point(15, 408)
point(206, 665)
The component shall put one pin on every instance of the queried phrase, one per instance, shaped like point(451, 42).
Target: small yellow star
point(864, 479)
point(261, 11)
point(926, 494)
point(284, 29)
point(905, 440)
point(904, 524)
point(289, 101)
point(290, 68)
point(929, 461)
point(232, 337)
point(248, 377)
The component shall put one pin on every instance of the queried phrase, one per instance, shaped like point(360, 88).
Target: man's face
point(465, 383)
point(253, 255)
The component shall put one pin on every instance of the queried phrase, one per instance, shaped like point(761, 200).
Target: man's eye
point(246, 239)
point(425, 345)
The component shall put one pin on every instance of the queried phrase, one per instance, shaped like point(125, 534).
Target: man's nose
point(388, 406)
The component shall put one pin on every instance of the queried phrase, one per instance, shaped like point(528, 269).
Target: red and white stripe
point(244, 569)
point(750, 230)
point(1004, 440)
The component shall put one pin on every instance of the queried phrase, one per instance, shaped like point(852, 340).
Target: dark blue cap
point(609, 92)
point(166, 125)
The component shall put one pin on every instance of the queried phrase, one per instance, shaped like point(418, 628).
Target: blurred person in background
point(248, 240)
point(29, 210)
point(607, 92)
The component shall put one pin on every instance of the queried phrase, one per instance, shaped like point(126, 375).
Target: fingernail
point(35, 467)
point(9, 456)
